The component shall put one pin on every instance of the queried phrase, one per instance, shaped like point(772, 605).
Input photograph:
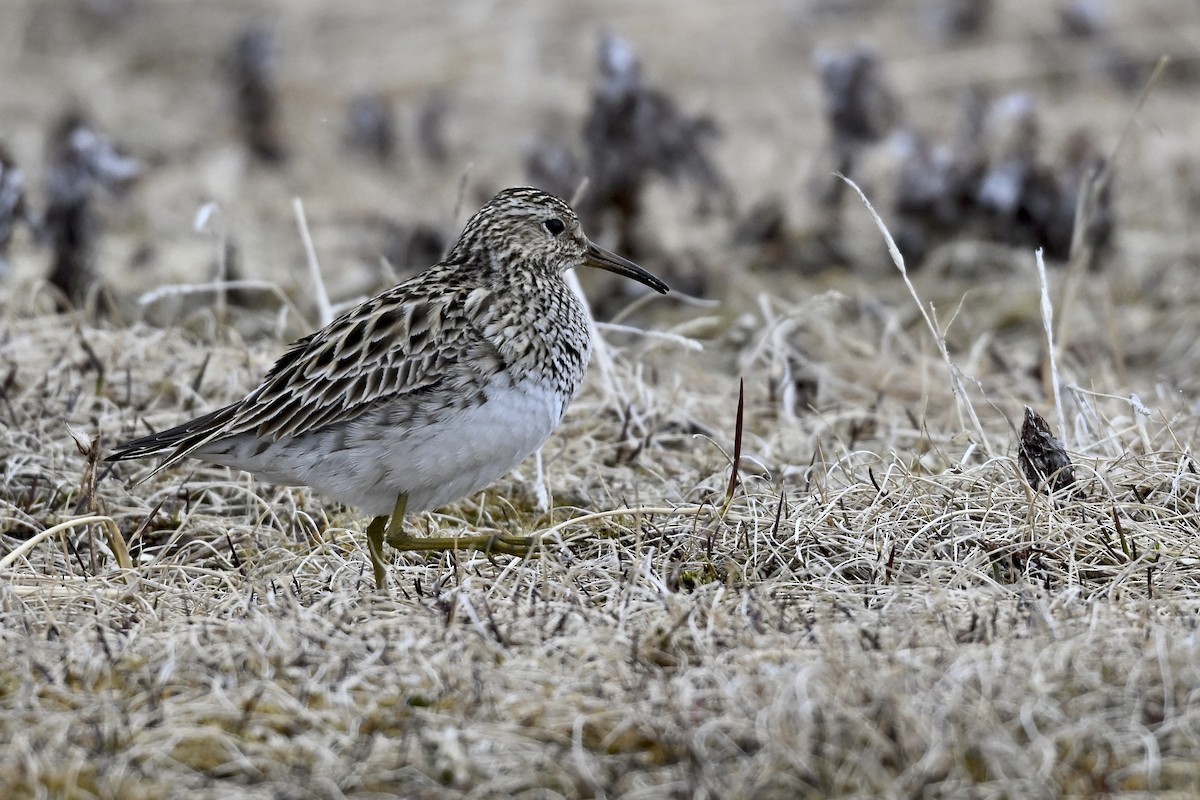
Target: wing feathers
point(407, 341)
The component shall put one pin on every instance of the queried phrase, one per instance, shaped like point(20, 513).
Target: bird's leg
point(395, 536)
point(375, 533)
point(383, 529)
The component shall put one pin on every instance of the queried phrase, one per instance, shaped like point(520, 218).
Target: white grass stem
point(324, 308)
point(956, 383)
point(208, 218)
point(116, 541)
point(541, 490)
point(601, 355)
point(1051, 359)
point(664, 336)
point(176, 290)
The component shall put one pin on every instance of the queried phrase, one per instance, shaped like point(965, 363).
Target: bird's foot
point(520, 546)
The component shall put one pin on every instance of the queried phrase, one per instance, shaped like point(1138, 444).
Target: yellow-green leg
point(395, 536)
point(395, 528)
point(375, 549)
point(382, 528)
point(391, 530)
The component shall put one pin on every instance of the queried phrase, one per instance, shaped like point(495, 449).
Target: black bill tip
point(603, 259)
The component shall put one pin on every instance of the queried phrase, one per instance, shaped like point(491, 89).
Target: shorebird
point(427, 392)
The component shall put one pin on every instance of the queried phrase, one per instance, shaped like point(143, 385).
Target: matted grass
point(883, 608)
point(897, 615)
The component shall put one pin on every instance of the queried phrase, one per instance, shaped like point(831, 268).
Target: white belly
point(369, 463)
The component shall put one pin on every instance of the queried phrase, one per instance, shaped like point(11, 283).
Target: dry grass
point(893, 616)
point(883, 608)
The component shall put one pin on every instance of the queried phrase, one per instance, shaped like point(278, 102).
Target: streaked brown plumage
point(429, 391)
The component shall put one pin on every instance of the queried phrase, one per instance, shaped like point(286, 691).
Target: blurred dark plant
point(431, 128)
point(861, 109)
point(250, 69)
point(371, 127)
point(992, 182)
point(633, 132)
point(958, 19)
point(408, 248)
point(12, 203)
point(1083, 18)
point(81, 160)
point(553, 166)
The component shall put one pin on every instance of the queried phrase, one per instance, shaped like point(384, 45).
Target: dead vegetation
point(827, 553)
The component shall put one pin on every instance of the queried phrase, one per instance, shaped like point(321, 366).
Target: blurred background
point(149, 144)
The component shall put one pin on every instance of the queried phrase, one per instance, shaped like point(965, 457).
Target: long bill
point(600, 258)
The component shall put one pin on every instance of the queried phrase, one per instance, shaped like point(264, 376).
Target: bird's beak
point(603, 259)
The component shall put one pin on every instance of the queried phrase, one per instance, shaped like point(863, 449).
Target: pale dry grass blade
point(1052, 379)
point(962, 401)
point(321, 295)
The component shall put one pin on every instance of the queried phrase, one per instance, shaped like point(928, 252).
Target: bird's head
point(533, 227)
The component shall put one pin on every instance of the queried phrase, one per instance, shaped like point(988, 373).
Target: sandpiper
point(429, 391)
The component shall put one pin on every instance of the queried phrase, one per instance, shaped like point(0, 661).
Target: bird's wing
point(404, 343)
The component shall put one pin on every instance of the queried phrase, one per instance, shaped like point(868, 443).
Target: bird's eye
point(555, 226)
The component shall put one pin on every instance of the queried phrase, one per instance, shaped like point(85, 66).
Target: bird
point(427, 392)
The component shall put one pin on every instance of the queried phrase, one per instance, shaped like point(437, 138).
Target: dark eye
point(555, 226)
